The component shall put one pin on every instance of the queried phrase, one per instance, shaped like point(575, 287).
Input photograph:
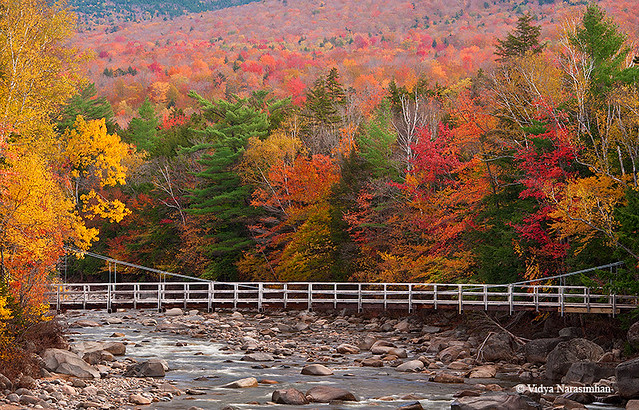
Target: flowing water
point(203, 366)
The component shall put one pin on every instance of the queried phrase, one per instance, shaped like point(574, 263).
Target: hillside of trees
point(402, 154)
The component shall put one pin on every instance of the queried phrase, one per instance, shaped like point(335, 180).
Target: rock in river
point(242, 383)
point(65, 362)
point(326, 394)
point(289, 396)
point(316, 370)
point(149, 368)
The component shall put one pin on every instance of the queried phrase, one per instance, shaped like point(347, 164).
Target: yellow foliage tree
point(96, 158)
point(38, 72)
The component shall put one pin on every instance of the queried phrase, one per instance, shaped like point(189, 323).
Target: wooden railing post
point(510, 299)
point(410, 298)
point(109, 293)
point(235, 295)
point(187, 290)
point(460, 297)
point(160, 297)
point(285, 294)
point(536, 297)
point(485, 298)
point(84, 296)
point(58, 307)
point(360, 303)
point(209, 303)
point(614, 305)
point(385, 295)
point(335, 296)
point(310, 297)
point(435, 296)
point(561, 300)
point(260, 296)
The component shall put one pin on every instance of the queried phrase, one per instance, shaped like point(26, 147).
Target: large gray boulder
point(494, 401)
point(633, 334)
point(66, 362)
point(587, 373)
point(115, 348)
point(537, 350)
point(326, 394)
point(498, 346)
point(411, 366)
point(566, 353)
point(628, 379)
point(149, 368)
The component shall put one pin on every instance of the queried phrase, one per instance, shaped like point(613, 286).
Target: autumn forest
point(296, 140)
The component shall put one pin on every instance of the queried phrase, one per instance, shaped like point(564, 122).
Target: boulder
point(459, 365)
point(242, 383)
point(149, 368)
point(65, 362)
point(628, 379)
point(402, 326)
point(537, 350)
point(401, 353)
point(98, 356)
point(587, 372)
point(498, 346)
point(381, 347)
point(411, 366)
point(85, 323)
point(139, 399)
point(633, 335)
point(566, 353)
point(289, 396)
point(490, 401)
point(372, 362)
point(258, 357)
point(452, 353)
point(5, 383)
point(174, 312)
point(430, 329)
point(347, 349)
point(326, 394)
point(483, 372)
point(316, 370)
point(115, 348)
point(568, 333)
point(632, 405)
point(447, 378)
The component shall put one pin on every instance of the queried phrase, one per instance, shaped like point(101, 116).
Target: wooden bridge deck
point(355, 296)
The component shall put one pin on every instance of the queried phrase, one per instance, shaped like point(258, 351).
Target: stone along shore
point(483, 362)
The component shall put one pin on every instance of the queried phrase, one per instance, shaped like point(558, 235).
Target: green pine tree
point(524, 40)
point(91, 107)
point(221, 192)
point(142, 130)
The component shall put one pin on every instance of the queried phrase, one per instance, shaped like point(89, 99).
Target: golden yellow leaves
point(94, 205)
point(586, 208)
point(96, 154)
point(39, 73)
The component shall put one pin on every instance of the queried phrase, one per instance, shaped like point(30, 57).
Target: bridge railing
point(360, 295)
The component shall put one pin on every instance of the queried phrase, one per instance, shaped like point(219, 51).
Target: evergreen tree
point(142, 130)
point(524, 40)
point(600, 38)
point(221, 192)
point(89, 106)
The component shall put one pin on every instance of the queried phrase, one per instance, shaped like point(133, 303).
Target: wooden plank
point(586, 309)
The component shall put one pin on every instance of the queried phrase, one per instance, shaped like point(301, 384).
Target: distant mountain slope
point(283, 45)
point(99, 11)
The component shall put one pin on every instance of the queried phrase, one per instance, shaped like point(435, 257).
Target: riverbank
point(182, 360)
